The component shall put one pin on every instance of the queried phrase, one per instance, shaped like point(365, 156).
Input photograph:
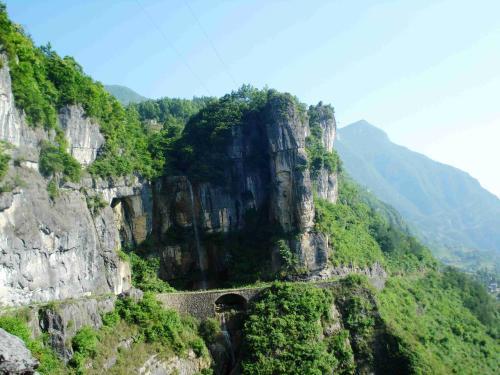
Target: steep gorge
point(97, 199)
point(65, 244)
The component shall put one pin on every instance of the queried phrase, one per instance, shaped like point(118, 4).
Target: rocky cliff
point(56, 247)
point(265, 177)
point(66, 246)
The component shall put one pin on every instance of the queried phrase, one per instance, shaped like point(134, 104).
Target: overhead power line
point(212, 44)
point(172, 46)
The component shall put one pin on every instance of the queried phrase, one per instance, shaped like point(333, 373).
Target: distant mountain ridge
point(447, 208)
point(124, 94)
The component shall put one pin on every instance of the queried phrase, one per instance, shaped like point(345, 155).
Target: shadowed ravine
point(202, 258)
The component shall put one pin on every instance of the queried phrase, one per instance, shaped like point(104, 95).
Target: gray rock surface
point(328, 126)
point(15, 358)
point(267, 173)
point(66, 247)
point(63, 321)
point(291, 191)
point(188, 365)
point(83, 135)
point(327, 185)
point(326, 182)
point(57, 249)
point(376, 274)
point(53, 249)
point(133, 293)
point(13, 127)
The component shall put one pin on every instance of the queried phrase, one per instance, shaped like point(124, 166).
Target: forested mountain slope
point(124, 94)
point(450, 211)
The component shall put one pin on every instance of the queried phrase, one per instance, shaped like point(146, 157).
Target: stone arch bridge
point(204, 304)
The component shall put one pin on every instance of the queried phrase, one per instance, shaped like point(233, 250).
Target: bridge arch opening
point(231, 301)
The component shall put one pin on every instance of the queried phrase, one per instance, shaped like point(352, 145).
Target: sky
point(426, 72)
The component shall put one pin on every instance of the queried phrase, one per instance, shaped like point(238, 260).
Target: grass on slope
point(439, 335)
point(360, 235)
point(150, 330)
point(443, 322)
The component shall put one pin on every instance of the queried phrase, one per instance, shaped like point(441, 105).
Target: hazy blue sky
point(427, 72)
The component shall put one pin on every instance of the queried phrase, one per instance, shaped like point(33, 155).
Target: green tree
point(283, 329)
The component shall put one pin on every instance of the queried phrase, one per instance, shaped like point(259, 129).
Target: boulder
point(15, 358)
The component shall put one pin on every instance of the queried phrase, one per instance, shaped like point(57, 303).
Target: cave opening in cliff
point(123, 219)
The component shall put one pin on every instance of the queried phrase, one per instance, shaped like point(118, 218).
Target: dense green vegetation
point(32, 90)
point(43, 82)
point(17, 326)
point(350, 235)
point(163, 121)
point(419, 302)
point(474, 297)
point(416, 325)
point(354, 300)
point(318, 156)
point(157, 324)
point(171, 110)
point(283, 330)
point(425, 320)
point(151, 329)
point(210, 330)
point(145, 274)
point(55, 162)
point(439, 334)
point(428, 319)
point(84, 345)
point(361, 236)
point(202, 150)
point(126, 148)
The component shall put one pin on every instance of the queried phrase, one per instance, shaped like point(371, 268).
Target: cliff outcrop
point(65, 246)
point(265, 178)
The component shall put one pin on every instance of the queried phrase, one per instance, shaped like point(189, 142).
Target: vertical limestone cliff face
point(267, 176)
point(59, 248)
point(326, 182)
point(12, 128)
point(83, 135)
point(56, 248)
point(291, 201)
